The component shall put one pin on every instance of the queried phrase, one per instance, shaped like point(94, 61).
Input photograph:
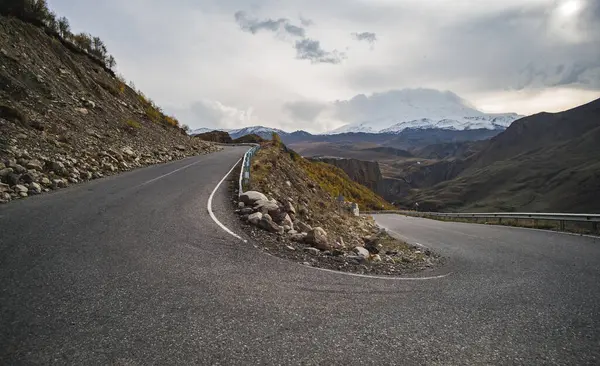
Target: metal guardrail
point(245, 170)
point(560, 217)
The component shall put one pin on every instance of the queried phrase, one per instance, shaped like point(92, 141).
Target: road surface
point(131, 270)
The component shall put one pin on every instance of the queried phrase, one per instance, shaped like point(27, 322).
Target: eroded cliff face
point(366, 173)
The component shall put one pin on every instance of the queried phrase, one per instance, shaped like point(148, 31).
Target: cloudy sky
point(234, 63)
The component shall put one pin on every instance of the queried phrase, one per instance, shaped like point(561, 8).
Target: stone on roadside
point(35, 164)
point(250, 197)
point(266, 223)
point(361, 252)
point(302, 227)
point(313, 251)
point(289, 208)
point(267, 207)
point(298, 237)
point(255, 218)
point(317, 237)
point(35, 188)
point(241, 204)
point(21, 188)
point(4, 188)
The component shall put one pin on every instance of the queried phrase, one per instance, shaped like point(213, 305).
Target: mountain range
point(395, 111)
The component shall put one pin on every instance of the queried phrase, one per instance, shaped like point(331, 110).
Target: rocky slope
point(65, 119)
point(292, 209)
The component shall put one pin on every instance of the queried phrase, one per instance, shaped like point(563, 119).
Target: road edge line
point(209, 205)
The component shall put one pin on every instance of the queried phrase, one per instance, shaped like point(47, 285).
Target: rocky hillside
point(546, 162)
point(291, 207)
point(65, 119)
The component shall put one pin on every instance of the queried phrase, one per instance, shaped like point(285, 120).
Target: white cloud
point(193, 58)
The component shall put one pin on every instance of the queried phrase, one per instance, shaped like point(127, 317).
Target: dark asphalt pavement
point(131, 270)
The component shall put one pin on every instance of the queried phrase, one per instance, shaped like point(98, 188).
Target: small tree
point(111, 63)
point(51, 22)
point(64, 28)
point(84, 41)
point(37, 9)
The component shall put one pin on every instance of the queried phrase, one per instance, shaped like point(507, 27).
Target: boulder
point(21, 188)
point(298, 237)
point(361, 252)
point(301, 226)
point(269, 225)
point(269, 207)
point(289, 208)
point(5, 173)
point(180, 147)
point(19, 169)
point(128, 152)
point(35, 188)
point(241, 204)
point(4, 188)
point(46, 182)
point(246, 211)
point(57, 167)
point(12, 179)
point(287, 221)
point(317, 237)
point(35, 164)
point(251, 197)
point(255, 218)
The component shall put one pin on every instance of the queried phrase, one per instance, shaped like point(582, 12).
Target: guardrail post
point(562, 225)
point(499, 220)
point(595, 227)
point(535, 223)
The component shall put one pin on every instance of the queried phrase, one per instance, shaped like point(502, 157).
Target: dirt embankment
point(64, 119)
point(292, 210)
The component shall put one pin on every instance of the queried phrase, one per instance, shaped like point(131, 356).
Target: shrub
point(133, 124)
point(172, 121)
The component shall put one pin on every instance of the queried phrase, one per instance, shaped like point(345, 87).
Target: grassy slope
point(331, 179)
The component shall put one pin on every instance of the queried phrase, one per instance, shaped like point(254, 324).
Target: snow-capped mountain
point(204, 130)
point(397, 110)
point(264, 132)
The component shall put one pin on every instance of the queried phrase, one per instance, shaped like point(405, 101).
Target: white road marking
point(209, 205)
point(381, 277)
point(166, 175)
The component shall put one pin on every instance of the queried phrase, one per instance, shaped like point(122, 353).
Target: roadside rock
point(317, 237)
point(302, 227)
point(266, 223)
point(255, 218)
point(289, 208)
point(313, 251)
point(251, 197)
point(362, 252)
point(34, 164)
point(267, 207)
point(298, 237)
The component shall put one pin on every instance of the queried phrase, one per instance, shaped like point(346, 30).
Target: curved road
point(131, 270)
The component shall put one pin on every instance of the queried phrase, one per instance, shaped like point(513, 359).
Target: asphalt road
point(131, 270)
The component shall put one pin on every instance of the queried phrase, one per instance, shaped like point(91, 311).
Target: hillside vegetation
point(65, 118)
point(545, 162)
point(275, 159)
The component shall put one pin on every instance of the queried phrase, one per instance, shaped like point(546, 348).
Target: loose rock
point(317, 237)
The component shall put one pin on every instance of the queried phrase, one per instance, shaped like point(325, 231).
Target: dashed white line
point(209, 205)
point(173, 172)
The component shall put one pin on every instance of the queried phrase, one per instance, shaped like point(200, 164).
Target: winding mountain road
point(131, 270)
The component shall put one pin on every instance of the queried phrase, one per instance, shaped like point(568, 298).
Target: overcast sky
point(234, 63)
